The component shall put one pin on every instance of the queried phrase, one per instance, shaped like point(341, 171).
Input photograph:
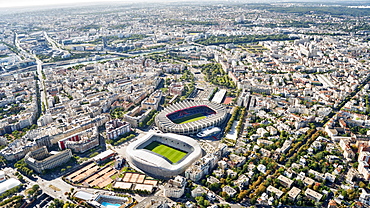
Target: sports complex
point(163, 155)
point(190, 117)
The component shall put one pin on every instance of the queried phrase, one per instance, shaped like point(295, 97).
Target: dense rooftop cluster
point(287, 85)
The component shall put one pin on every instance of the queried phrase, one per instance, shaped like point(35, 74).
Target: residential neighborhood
point(185, 104)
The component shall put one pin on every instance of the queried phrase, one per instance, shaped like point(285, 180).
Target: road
point(23, 53)
point(348, 98)
point(58, 192)
point(45, 184)
point(39, 71)
point(41, 83)
point(53, 43)
point(48, 187)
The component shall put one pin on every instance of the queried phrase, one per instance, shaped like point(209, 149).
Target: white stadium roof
point(158, 165)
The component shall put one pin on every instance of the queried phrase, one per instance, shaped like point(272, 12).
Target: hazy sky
point(18, 3)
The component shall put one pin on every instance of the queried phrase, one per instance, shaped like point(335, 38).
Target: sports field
point(174, 155)
point(188, 119)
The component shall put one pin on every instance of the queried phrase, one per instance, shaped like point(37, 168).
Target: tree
point(242, 195)
point(316, 187)
point(35, 187)
point(362, 184)
point(2, 160)
point(200, 200)
point(215, 186)
point(312, 125)
point(319, 156)
point(56, 99)
point(206, 203)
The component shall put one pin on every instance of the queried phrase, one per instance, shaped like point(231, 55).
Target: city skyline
point(26, 3)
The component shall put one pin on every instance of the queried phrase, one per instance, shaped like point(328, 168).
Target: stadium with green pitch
point(171, 153)
point(190, 118)
point(163, 155)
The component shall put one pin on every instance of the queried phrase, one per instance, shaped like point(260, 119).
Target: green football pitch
point(189, 119)
point(174, 155)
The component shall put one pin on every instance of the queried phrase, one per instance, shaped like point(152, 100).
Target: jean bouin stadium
point(163, 155)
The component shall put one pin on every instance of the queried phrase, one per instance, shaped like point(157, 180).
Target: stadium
point(190, 117)
point(163, 155)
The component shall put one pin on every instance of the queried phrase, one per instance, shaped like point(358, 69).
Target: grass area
point(174, 155)
point(188, 119)
point(113, 177)
point(28, 190)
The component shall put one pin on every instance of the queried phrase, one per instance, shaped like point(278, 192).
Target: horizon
point(27, 3)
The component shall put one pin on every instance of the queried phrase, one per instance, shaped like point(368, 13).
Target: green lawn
point(174, 155)
point(189, 119)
